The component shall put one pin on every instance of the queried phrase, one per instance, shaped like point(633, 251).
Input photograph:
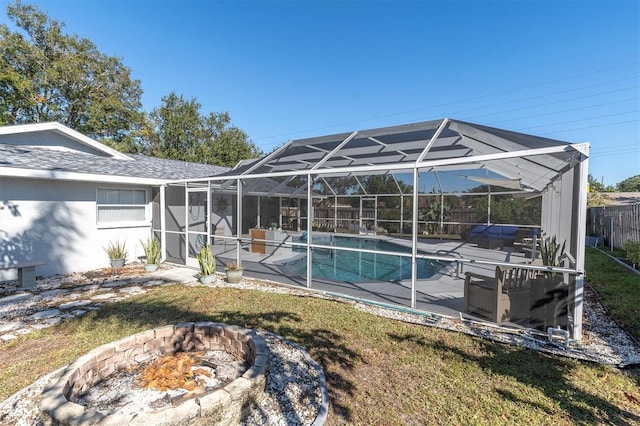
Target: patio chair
point(503, 298)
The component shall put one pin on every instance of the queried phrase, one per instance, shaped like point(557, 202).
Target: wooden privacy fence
point(615, 224)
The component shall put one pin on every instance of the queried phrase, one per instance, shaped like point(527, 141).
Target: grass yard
point(379, 371)
point(618, 288)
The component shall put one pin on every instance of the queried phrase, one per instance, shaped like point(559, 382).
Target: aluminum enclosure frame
point(554, 169)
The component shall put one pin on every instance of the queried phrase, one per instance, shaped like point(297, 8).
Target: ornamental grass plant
point(151, 250)
point(116, 250)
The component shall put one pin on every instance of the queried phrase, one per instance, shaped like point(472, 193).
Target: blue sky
point(568, 70)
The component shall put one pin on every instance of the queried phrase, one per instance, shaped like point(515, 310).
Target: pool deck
point(442, 293)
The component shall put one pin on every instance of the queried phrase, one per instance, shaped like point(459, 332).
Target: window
point(121, 205)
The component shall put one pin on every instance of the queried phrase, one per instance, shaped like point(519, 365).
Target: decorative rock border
point(323, 411)
point(222, 406)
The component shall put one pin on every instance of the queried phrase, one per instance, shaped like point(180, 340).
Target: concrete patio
point(443, 293)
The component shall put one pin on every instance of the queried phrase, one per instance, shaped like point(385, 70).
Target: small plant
point(234, 272)
point(116, 251)
point(151, 250)
point(233, 266)
point(207, 261)
point(552, 254)
point(632, 248)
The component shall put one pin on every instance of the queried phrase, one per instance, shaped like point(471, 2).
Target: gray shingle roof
point(141, 166)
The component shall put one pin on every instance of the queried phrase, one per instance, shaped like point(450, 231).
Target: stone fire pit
point(221, 406)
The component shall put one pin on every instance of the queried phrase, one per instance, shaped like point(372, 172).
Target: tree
point(384, 184)
point(631, 184)
point(46, 75)
point(432, 214)
point(176, 129)
point(505, 208)
point(179, 131)
point(596, 199)
point(594, 185)
point(225, 144)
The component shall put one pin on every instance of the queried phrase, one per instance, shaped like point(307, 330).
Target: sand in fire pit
point(163, 382)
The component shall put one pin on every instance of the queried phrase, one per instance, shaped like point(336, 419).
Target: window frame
point(123, 223)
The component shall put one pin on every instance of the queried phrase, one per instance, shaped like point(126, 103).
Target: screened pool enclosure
point(440, 216)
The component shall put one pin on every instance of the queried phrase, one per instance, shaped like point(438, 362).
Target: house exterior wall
point(55, 222)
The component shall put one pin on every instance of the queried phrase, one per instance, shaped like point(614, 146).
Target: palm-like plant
point(207, 261)
point(116, 250)
point(431, 214)
point(552, 254)
point(151, 250)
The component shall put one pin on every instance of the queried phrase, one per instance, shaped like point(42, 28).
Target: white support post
point(581, 230)
point(309, 232)
point(441, 214)
point(239, 222)
point(375, 215)
point(401, 215)
point(489, 205)
point(335, 213)
point(414, 244)
point(163, 225)
point(441, 201)
point(207, 213)
point(186, 223)
point(259, 213)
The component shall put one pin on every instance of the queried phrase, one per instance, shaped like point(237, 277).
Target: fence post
point(602, 222)
point(611, 233)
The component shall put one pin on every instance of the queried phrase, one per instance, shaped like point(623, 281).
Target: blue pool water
point(340, 265)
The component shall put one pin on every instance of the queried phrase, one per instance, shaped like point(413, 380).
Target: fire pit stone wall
point(222, 406)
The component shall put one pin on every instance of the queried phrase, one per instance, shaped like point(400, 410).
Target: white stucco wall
point(55, 222)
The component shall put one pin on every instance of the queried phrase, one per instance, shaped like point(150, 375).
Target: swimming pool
point(340, 265)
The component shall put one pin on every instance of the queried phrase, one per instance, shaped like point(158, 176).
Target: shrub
point(633, 251)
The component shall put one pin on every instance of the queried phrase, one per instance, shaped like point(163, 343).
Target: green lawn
point(379, 371)
point(618, 288)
